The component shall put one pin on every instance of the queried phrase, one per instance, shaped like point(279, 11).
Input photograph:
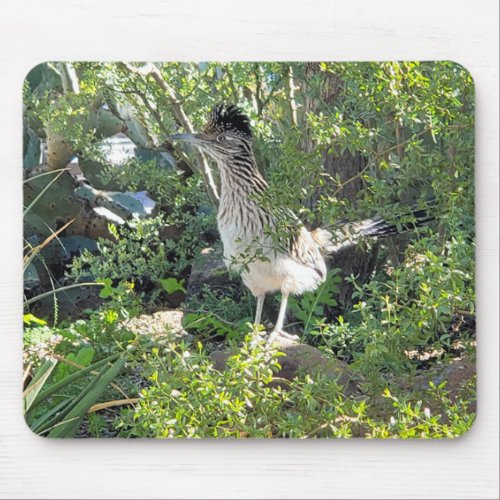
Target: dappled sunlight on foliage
point(121, 223)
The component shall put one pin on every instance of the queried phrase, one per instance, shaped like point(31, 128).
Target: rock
point(301, 358)
point(172, 232)
point(209, 270)
point(210, 275)
point(158, 324)
point(457, 374)
point(219, 359)
point(176, 299)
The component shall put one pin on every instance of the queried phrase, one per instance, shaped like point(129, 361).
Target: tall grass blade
point(35, 386)
point(40, 425)
point(71, 378)
point(72, 421)
point(52, 172)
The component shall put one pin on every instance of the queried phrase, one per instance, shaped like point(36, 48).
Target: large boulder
point(210, 274)
point(209, 270)
point(301, 359)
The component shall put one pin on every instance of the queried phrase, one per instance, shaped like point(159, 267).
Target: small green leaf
point(171, 285)
point(29, 319)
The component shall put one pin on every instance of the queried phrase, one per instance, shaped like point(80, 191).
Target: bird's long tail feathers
point(348, 235)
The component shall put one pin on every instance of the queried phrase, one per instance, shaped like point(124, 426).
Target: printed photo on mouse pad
point(249, 250)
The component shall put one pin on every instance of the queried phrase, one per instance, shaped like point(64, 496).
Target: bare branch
point(291, 95)
point(181, 119)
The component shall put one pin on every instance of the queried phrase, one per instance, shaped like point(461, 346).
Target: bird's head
point(227, 133)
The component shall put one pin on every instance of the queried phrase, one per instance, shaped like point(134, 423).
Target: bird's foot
point(275, 336)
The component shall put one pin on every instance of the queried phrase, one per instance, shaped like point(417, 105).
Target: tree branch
point(181, 119)
point(291, 95)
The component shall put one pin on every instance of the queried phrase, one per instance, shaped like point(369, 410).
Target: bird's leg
point(281, 314)
point(278, 329)
point(258, 315)
point(258, 310)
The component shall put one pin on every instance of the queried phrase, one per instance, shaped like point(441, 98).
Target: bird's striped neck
point(240, 173)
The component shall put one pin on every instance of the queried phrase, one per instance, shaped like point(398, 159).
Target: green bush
point(411, 308)
point(141, 255)
point(188, 397)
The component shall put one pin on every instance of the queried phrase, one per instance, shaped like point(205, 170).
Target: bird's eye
point(220, 138)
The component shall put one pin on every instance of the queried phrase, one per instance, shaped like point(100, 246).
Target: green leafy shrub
point(311, 307)
point(139, 255)
point(221, 313)
point(414, 420)
point(413, 309)
point(188, 397)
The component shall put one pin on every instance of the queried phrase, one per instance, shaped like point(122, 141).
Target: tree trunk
point(358, 261)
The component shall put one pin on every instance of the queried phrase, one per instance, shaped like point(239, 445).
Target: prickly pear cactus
point(59, 252)
point(68, 304)
point(49, 207)
point(123, 205)
point(60, 183)
point(32, 147)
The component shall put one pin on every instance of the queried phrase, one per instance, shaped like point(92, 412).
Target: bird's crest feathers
point(228, 119)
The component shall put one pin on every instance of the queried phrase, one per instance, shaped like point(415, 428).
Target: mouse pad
point(249, 250)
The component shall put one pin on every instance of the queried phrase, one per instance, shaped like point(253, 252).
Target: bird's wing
point(306, 250)
point(293, 239)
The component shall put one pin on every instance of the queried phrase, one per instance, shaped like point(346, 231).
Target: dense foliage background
point(120, 232)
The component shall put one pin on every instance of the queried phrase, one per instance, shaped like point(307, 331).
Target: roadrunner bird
point(268, 258)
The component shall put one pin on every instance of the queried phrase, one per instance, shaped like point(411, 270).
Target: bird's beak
point(182, 137)
point(196, 139)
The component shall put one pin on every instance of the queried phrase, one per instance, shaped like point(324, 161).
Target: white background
point(32, 31)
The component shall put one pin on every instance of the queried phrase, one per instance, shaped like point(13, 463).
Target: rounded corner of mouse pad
point(249, 250)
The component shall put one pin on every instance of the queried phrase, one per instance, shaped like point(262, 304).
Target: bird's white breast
point(264, 269)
